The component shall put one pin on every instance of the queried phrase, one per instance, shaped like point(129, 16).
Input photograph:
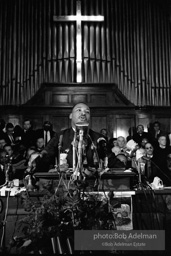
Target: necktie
point(46, 138)
point(11, 138)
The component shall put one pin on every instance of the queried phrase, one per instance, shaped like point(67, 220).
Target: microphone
point(81, 130)
point(83, 127)
point(59, 147)
point(60, 141)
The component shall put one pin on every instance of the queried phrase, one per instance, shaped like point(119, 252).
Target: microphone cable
point(160, 170)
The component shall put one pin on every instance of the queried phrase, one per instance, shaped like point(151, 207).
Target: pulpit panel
point(98, 123)
point(122, 125)
point(60, 122)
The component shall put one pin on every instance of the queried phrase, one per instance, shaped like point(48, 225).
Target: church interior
point(112, 58)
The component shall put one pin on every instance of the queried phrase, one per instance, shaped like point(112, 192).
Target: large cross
point(78, 18)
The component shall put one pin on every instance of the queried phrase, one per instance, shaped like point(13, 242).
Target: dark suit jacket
point(40, 133)
point(28, 138)
point(137, 138)
point(7, 139)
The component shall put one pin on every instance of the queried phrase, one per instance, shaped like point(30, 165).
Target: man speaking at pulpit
point(76, 140)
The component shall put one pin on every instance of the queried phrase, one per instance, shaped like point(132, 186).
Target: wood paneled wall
point(114, 112)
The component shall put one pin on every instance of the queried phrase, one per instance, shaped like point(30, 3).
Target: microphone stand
point(139, 185)
point(59, 150)
point(80, 146)
point(74, 152)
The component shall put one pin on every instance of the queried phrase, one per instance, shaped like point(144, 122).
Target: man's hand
point(43, 153)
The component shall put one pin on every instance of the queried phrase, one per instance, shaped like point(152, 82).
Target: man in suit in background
point(160, 154)
point(46, 132)
point(28, 137)
point(9, 134)
point(140, 134)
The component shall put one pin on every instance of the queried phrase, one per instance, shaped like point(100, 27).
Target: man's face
point(9, 150)
point(149, 149)
point(121, 142)
point(2, 143)
point(27, 125)
point(162, 141)
point(40, 143)
point(3, 159)
point(156, 127)
point(144, 141)
point(140, 129)
point(104, 132)
point(80, 114)
point(47, 127)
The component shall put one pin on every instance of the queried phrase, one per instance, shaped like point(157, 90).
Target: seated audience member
point(112, 143)
point(151, 167)
point(9, 134)
point(9, 150)
point(139, 152)
point(121, 146)
point(143, 142)
point(149, 150)
point(104, 133)
point(6, 167)
point(18, 131)
point(93, 144)
point(160, 155)
point(46, 132)
point(156, 130)
point(13, 154)
point(28, 137)
point(2, 142)
point(140, 134)
point(17, 161)
point(40, 144)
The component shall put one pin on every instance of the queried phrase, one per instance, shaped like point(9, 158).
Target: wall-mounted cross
point(78, 18)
